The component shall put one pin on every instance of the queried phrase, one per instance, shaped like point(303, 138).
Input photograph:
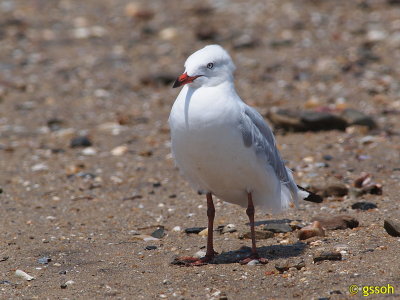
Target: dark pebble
point(158, 233)
point(54, 124)
point(151, 247)
point(335, 292)
point(327, 255)
point(80, 141)
point(364, 205)
point(194, 230)
point(335, 190)
point(392, 227)
point(5, 282)
point(291, 120)
point(44, 260)
point(63, 272)
point(1, 190)
point(337, 222)
point(63, 286)
point(278, 228)
point(327, 157)
point(4, 258)
point(156, 184)
point(355, 117)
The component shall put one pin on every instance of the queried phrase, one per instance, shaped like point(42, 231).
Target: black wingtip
point(312, 197)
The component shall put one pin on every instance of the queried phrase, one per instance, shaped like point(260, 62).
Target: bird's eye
point(210, 65)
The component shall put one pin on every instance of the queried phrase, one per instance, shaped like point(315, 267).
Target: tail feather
point(309, 196)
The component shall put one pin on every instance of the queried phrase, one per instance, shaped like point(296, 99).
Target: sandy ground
point(103, 69)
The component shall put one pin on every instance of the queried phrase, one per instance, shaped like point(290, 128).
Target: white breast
point(209, 150)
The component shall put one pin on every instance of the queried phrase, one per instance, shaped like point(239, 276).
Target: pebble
point(200, 254)
point(54, 124)
point(283, 266)
point(337, 222)
point(119, 151)
point(24, 275)
point(327, 255)
point(80, 141)
point(158, 233)
point(150, 247)
point(228, 228)
point(204, 232)
point(168, 33)
point(194, 230)
point(44, 260)
point(278, 227)
point(335, 190)
point(392, 227)
point(39, 167)
point(177, 229)
point(308, 120)
point(355, 117)
point(144, 237)
point(314, 229)
point(364, 205)
point(260, 235)
point(89, 151)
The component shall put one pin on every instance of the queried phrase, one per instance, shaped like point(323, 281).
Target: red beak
point(184, 79)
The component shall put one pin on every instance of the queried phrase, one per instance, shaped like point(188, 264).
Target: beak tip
point(177, 83)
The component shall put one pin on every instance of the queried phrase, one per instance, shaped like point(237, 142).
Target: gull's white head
point(209, 66)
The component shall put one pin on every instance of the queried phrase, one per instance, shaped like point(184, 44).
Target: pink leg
point(210, 253)
point(250, 213)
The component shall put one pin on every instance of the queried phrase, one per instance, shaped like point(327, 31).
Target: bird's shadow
point(265, 222)
point(269, 252)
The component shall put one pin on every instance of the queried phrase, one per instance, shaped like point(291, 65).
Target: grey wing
point(257, 134)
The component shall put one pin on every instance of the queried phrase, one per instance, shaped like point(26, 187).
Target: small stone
point(63, 286)
point(260, 235)
point(204, 232)
point(39, 167)
point(168, 33)
point(364, 205)
point(24, 275)
point(119, 151)
point(136, 10)
point(177, 229)
point(158, 233)
point(44, 260)
point(150, 247)
point(337, 222)
point(392, 227)
point(80, 141)
point(228, 228)
point(254, 262)
point(200, 254)
point(194, 230)
point(57, 264)
point(144, 237)
point(297, 263)
point(327, 255)
point(314, 229)
point(278, 227)
point(89, 151)
point(54, 124)
point(355, 117)
point(335, 190)
point(327, 157)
